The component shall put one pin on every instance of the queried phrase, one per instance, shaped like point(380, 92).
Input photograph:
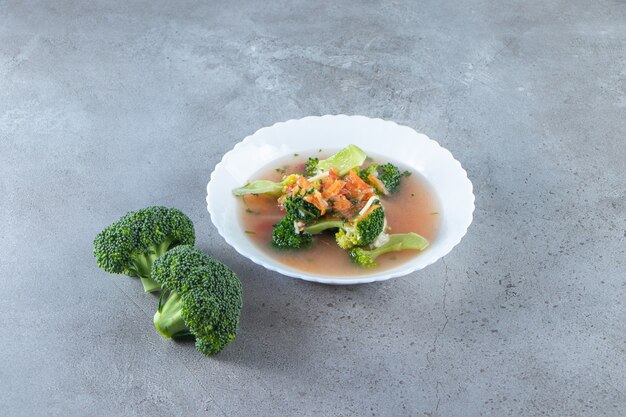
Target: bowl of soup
point(435, 198)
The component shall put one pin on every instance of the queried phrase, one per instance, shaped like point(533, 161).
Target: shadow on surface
point(284, 319)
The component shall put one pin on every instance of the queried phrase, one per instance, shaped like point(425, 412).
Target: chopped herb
point(295, 154)
point(250, 232)
point(369, 159)
point(406, 173)
point(281, 170)
point(249, 210)
point(434, 212)
point(320, 150)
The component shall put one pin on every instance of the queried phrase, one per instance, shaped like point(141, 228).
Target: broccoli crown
point(362, 232)
point(364, 173)
point(362, 257)
point(390, 176)
point(397, 242)
point(179, 262)
point(385, 178)
point(284, 235)
point(311, 166)
point(131, 244)
point(205, 298)
point(298, 208)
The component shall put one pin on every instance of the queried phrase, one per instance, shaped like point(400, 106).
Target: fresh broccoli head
point(295, 234)
point(300, 209)
point(204, 298)
point(286, 235)
point(402, 241)
point(131, 244)
point(363, 231)
point(385, 178)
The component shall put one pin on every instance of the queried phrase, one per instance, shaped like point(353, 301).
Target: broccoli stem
point(397, 242)
point(401, 241)
point(149, 285)
point(168, 320)
point(319, 227)
point(261, 187)
point(142, 265)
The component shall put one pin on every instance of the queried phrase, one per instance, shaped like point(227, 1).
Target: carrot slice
point(342, 205)
point(367, 212)
point(316, 199)
point(333, 189)
point(378, 184)
point(303, 184)
point(358, 188)
point(356, 181)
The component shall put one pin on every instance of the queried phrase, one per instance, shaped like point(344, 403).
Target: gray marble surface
point(110, 106)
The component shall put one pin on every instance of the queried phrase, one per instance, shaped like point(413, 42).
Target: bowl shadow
point(283, 318)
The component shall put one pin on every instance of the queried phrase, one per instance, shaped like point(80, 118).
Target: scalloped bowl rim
point(445, 174)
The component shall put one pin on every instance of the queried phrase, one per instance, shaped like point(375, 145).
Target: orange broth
point(413, 207)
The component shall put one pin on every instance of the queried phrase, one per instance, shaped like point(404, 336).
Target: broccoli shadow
point(283, 319)
point(189, 338)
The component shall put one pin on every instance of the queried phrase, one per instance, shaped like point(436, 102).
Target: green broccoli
point(286, 236)
point(363, 231)
point(385, 178)
point(402, 241)
point(295, 234)
point(298, 208)
point(204, 298)
point(131, 244)
point(322, 225)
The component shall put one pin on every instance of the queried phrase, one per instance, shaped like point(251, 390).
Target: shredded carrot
point(333, 189)
point(359, 189)
point(377, 183)
point(330, 178)
point(316, 199)
point(345, 196)
point(328, 181)
point(303, 183)
point(367, 212)
point(342, 206)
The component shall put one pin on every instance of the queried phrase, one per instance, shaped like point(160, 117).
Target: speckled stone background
point(107, 106)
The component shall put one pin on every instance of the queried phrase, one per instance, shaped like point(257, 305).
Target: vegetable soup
point(413, 207)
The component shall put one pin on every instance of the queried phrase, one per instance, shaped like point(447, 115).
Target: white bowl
point(382, 138)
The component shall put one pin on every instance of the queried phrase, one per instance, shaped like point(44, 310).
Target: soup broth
point(413, 207)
